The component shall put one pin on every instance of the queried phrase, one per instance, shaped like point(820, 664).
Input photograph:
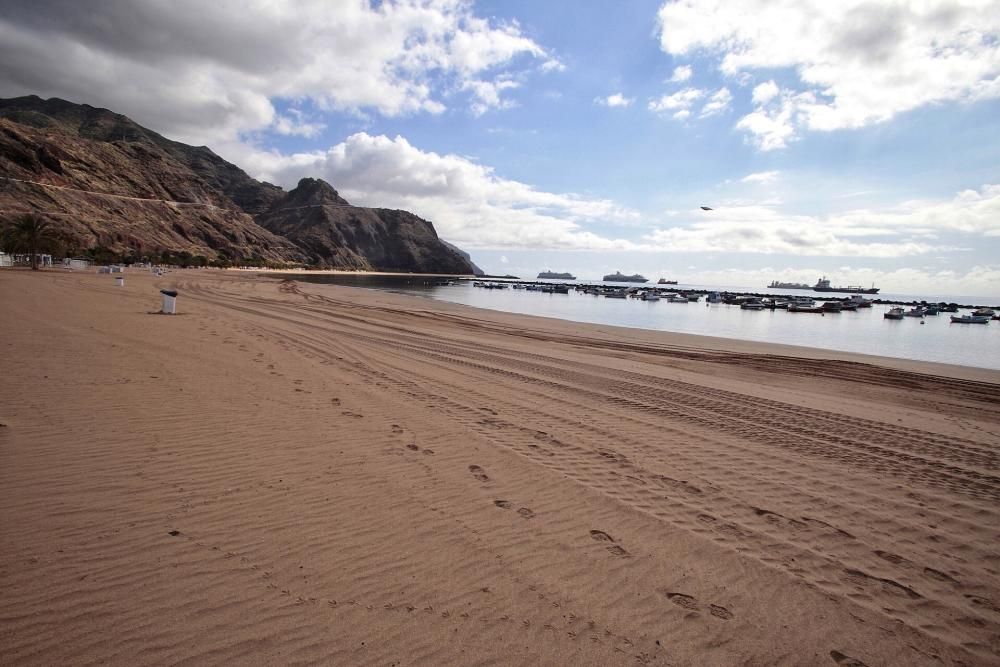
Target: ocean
point(933, 338)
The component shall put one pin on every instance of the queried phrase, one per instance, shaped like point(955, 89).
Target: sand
point(296, 473)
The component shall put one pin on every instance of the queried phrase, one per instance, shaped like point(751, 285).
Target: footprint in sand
point(413, 447)
point(479, 473)
point(682, 600)
point(691, 604)
point(614, 549)
point(720, 612)
point(396, 428)
point(503, 504)
point(846, 660)
point(354, 415)
point(526, 513)
point(335, 401)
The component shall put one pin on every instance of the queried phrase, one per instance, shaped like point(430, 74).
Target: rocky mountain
point(113, 185)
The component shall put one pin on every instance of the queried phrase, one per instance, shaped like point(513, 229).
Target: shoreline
point(342, 475)
point(719, 342)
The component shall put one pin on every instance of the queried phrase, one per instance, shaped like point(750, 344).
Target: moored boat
point(893, 314)
point(971, 319)
point(914, 312)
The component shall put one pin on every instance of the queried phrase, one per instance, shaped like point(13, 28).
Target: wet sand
point(298, 473)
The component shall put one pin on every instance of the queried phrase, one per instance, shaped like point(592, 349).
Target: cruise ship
point(552, 275)
point(618, 277)
point(823, 285)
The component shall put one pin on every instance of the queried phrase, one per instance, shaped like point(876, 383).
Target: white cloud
point(683, 114)
point(761, 177)
point(773, 126)
point(488, 94)
point(857, 62)
point(468, 203)
point(206, 72)
point(765, 92)
point(718, 103)
point(899, 231)
point(682, 99)
point(681, 73)
point(295, 123)
point(616, 100)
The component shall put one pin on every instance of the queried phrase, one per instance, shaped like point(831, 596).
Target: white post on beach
point(169, 306)
point(120, 281)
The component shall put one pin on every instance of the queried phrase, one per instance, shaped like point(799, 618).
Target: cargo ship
point(552, 275)
point(618, 277)
point(823, 285)
point(664, 281)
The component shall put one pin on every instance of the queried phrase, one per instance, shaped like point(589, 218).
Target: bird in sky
point(706, 208)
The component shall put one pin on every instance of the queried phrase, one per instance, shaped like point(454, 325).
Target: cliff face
point(333, 233)
point(108, 182)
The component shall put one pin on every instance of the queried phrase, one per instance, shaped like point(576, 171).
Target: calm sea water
point(864, 331)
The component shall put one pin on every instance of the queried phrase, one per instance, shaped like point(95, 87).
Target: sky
point(855, 140)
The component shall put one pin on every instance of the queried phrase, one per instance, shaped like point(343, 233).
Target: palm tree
point(30, 234)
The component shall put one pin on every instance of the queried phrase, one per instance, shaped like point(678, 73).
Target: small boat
point(894, 314)
point(676, 298)
point(859, 301)
point(650, 296)
point(618, 294)
point(752, 305)
point(832, 306)
point(694, 298)
point(932, 310)
point(714, 297)
point(914, 312)
point(802, 307)
point(971, 319)
point(988, 312)
point(845, 305)
point(560, 289)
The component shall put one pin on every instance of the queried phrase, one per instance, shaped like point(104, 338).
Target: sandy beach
point(292, 473)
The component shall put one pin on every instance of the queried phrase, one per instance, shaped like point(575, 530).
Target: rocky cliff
point(112, 184)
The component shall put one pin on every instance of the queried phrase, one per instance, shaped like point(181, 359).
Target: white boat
point(988, 312)
point(752, 305)
point(971, 319)
point(859, 301)
point(714, 297)
point(676, 298)
point(650, 296)
point(914, 312)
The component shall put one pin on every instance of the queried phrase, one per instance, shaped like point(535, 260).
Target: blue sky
point(853, 139)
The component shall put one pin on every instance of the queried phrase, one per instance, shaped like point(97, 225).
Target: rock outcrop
point(110, 183)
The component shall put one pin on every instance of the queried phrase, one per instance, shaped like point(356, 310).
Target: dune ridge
point(308, 473)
